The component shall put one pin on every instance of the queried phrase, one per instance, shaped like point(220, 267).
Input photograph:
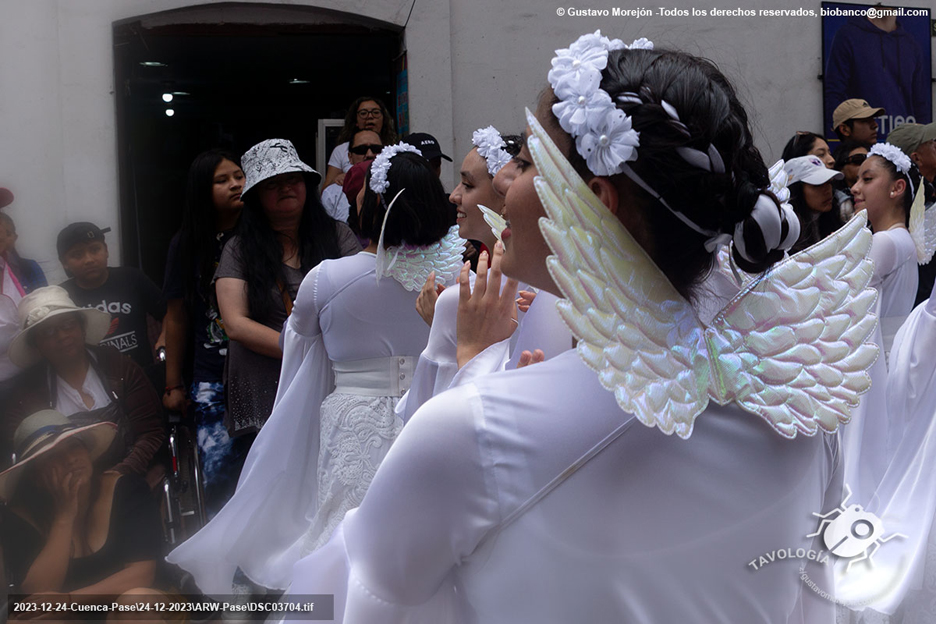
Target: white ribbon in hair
point(770, 222)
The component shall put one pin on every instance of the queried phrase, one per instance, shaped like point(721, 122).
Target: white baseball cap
point(811, 170)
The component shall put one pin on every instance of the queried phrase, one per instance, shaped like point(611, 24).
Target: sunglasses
point(361, 150)
point(856, 160)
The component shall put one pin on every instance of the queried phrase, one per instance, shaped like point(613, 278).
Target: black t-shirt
point(134, 534)
point(207, 331)
point(128, 296)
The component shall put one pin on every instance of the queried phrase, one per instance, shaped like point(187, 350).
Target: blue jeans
point(221, 457)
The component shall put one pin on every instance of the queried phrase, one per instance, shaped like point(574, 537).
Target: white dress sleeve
point(437, 368)
point(906, 497)
point(431, 503)
point(886, 256)
point(261, 528)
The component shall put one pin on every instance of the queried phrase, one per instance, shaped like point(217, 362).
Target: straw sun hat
point(43, 304)
point(38, 434)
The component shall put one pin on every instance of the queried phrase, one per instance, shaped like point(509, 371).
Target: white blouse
point(895, 271)
point(653, 529)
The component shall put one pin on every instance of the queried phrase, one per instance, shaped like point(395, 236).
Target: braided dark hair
point(709, 114)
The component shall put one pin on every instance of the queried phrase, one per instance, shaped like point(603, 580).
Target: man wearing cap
point(918, 141)
point(854, 119)
point(126, 293)
point(431, 151)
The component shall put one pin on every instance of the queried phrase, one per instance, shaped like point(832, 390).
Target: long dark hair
point(262, 252)
point(711, 115)
point(198, 236)
point(800, 144)
point(388, 134)
point(814, 226)
point(422, 215)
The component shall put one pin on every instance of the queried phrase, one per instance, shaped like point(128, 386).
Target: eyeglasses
point(371, 112)
point(361, 150)
point(855, 159)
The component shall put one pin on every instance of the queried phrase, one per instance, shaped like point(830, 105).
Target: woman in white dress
point(350, 348)
point(544, 494)
point(886, 190)
point(540, 332)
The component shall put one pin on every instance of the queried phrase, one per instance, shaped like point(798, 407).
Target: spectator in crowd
point(918, 141)
point(849, 156)
point(365, 113)
point(854, 119)
point(808, 144)
point(875, 58)
point(353, 189)
point(283, 233)
point(28, 272)
point(430, 148)
point(11, 292)
point(813, 199)
point(67, 370)
point(73, 531)
point(364, 146)
point(196, 343)
point(126, 293)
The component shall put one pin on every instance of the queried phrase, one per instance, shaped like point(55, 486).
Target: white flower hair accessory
point(490, 146)
point(893, 154)
point(896, 156)
point(381, 165)
point(604, 136)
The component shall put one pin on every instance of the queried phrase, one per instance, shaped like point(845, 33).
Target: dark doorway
point(232, 85)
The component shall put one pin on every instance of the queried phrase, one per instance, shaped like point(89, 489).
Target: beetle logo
point(850, 531)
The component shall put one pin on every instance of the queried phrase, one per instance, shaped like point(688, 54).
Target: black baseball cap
point(427, 144)
point(81, 232)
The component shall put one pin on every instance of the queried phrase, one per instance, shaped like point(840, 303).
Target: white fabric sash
point(385, 376)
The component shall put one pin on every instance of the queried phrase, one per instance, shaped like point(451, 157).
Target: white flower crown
point(381, 165)
point(490, 146)
point(604, 136)
point(893, 154)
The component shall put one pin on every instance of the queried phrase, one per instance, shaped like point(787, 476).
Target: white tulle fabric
point(654, 529)
point(318, 451)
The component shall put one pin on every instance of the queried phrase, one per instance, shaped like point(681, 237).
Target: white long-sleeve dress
point(351, 345)
point(896, 278)
point(653, 529)
point(540, 327)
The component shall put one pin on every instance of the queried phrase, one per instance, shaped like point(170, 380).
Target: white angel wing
point(923, 227)
point(497, 223)
point(656, 363)
point(792, 347)
point(411, 266)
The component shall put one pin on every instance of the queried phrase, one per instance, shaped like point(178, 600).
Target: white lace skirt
point(356, 433)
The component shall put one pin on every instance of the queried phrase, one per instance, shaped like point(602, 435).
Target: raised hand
point(487, 315)
point(428, 295)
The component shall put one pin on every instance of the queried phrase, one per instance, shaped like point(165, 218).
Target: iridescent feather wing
point(923, 227)
point(496, 222)
point(656, 362)
point(793, 346)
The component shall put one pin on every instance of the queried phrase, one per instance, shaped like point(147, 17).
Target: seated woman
point(71, 528)
point(67, 371)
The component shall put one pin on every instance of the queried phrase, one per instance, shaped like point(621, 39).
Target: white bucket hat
point(43, 431)
point(811, 170)
point(43, 304)
point(271, 158)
